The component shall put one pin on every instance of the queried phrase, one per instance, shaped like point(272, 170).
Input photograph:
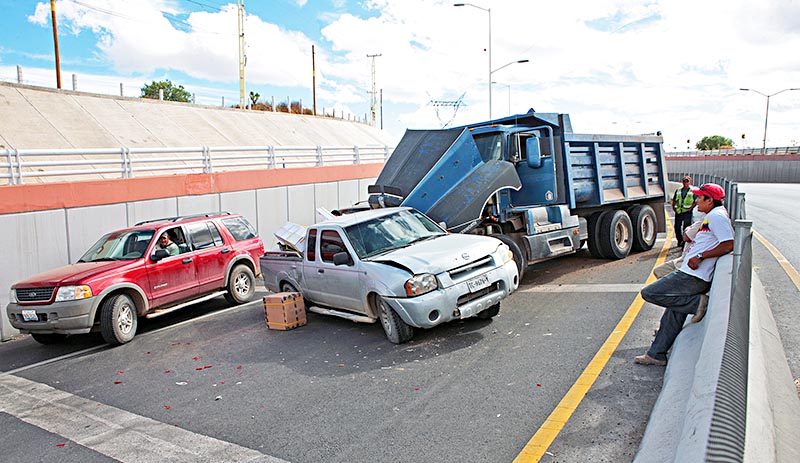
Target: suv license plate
point(478, 283)
point(30, 316)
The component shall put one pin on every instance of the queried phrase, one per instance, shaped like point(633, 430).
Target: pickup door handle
point(225, 251)
point(188, 260)
point(320, 270)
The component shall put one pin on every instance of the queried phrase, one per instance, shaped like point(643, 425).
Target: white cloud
point(623, 65)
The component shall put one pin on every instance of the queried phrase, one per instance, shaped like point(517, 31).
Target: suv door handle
point(225, 251)
point(320, 270)
point(188, 260)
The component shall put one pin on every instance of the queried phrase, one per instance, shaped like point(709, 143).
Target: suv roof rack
point(183, 217)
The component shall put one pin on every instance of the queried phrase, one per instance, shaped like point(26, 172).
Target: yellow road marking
point(535, 448)
point(787, 266)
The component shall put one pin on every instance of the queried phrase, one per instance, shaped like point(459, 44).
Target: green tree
point(714, 142)
point(254, 98)
point(171, 92)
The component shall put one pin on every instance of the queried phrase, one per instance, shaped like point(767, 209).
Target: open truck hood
point(441, 173)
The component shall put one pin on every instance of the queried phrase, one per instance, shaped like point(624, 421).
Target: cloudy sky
point(624, 66)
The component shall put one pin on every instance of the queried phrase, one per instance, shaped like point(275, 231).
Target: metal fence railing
point(777, 151)
point(17, 165)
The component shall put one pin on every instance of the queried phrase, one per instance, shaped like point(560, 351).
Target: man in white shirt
point(680, 291)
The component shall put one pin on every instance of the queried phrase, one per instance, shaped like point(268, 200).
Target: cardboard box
point(284, 311)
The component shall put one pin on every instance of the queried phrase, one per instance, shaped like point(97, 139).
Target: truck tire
point(118, 319)
point(519, 259)
point(241, 285)
point(593, 226)
point(616, 235)
point(48, 338)
point(643, 218)
point(486, 314)
point(395, 328)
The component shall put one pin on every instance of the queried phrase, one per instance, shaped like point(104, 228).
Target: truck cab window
point(311, 246)
point(490, 146)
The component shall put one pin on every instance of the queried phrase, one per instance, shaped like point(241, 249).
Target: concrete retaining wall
point(744, 169)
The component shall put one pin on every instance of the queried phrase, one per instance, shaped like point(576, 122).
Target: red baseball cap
point(711, 190)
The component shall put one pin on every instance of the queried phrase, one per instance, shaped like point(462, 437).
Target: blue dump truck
point(531, 182)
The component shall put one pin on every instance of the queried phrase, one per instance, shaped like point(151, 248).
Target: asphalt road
point(213, 383)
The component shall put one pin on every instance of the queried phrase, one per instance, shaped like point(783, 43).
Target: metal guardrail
point(18, 164)
point(777, 151)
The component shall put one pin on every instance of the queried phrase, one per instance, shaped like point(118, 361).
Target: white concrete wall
point(39, 241)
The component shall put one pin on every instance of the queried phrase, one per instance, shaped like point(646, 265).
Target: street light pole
point(766, 116)
point(489, 48)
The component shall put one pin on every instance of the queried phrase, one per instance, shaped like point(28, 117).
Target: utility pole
point(372, 93)
point(242, 56)
point(55, 41)
point(314, 78)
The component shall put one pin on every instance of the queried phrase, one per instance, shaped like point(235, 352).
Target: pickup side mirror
point(159, 254)
point(342, 258)
point(534, 153)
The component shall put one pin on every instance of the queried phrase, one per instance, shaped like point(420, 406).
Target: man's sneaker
point(701, 309)
point(647, 360)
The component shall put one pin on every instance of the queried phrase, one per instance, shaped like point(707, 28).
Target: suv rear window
point(240, 228)
point(204, 235)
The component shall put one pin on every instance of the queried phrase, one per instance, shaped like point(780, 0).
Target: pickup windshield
point(384, 234)
point(127, 245)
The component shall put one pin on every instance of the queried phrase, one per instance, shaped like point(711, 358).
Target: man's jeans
point(682, 220)
point(679, 293)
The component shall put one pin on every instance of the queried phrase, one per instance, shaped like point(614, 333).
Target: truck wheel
point(395, 328)
point(486, 314)
point(289, 288)
point(593, 225)
point(519, 259)
point(118, 320)
point(616, 234)
point(48, 338)
point(241, 285)
point(643, 219)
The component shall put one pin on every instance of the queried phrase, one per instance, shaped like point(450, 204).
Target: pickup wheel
point(289, 288)
point(48, 338)
point(486, 314)
point(616, 235)
point(118, 319)
point(519, 259)
point(643, 218)
point(241, 285)
point(395, 328)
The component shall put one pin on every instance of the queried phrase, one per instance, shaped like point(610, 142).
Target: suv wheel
point(118, 319)
point(241, 285)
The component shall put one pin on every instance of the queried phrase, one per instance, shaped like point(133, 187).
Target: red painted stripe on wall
point(757, 157)
point(42, 197)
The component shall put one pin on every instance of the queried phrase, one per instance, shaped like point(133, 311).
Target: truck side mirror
point(342, 258)
point(159, 254)
point(534, 153)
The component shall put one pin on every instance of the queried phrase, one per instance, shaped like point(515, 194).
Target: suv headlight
point(420, 284)
point(13, 296)
point(70, 293)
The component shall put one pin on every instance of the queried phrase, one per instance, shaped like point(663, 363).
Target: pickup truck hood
point(72, 274)
point(440, 254)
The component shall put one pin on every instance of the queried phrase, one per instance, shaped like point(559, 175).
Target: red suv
point(147, 270)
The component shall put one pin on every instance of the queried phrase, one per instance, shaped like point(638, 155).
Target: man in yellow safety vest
point(683, 205)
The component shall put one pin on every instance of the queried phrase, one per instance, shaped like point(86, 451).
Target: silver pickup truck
point(396, 265)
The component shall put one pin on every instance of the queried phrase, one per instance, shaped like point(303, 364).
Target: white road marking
point(116, 433)
point(586, 288)
point(53, 360)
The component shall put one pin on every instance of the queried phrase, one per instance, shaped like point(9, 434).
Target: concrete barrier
point(695, 419)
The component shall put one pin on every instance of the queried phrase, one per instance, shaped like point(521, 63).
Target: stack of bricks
point(284, 311)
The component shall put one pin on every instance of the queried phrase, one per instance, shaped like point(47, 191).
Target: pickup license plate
point(30, 316)
point(478, 283)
